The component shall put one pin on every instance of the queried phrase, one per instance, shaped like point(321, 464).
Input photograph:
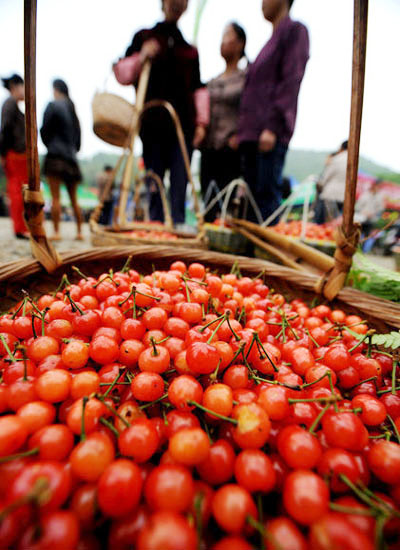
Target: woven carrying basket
point(222, 238)
point(118, 234)
point(112, 117)
point(29, 275)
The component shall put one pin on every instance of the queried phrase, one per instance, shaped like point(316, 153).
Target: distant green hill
point(299, 164)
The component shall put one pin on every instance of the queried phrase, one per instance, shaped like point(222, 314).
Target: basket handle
point(150, 174)
point(33, 199)
point(349, 233)
point(95, 215)
point(133, 133)
point(181, 140)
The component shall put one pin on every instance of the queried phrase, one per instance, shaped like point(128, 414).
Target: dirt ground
point(13, 249)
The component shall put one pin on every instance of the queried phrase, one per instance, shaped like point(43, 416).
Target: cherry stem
point(21, 305)
point(335, 405)
point(33, 317)
point(360, 493)
point(3, 341)
point(212, 413)
point(109, 276)
point(110, 426)
point(153, 343)
point(111, 409)
point(64, 283)
point(394, 377)
point(287, 322)
point(314, 382)
point(214, 375)
point(261, 274)
point(41, 486)
point(370, 379)
point(242, 314)
point(382, 392)
point(85, 399)
point(237, 338)
point(261, 519)
point(239, 351)
point(277, 383)
point(217, 329)
point(80, 273)
point(203, 328)
point(318, 418)
point(259, 343)
point(116, 379)
point(351, 510)
point(387, 509)
point(359, 343)
point(197, 505)
point(163, 340)
point(127, 265)
point(396, 431)
point(150, 403)
point(313, 400)
point(24, 358)
point(10, 458)
point(312, 339)
point(184, 278)
point(74, 305)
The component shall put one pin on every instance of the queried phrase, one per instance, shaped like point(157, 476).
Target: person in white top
point(370, 205)
point(331, 186)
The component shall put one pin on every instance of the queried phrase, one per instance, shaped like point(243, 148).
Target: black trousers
point(160, 156)
point(221, 166)
point(263, 174)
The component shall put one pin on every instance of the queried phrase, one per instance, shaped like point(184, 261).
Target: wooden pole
point(348, 234)
point(138, 108)
point(42, 250)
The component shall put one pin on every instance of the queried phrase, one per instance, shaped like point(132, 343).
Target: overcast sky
point(79, 39)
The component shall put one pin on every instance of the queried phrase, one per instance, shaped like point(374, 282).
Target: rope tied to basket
point(331, 283)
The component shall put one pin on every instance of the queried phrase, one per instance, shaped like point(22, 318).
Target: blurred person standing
point(174, 77)
point(331, 186)
point(105, 192)
point(12, 151)
point(61, 133)
point(220, 158)
point(269, 104)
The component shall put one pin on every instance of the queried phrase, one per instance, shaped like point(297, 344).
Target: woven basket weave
point(112, 116)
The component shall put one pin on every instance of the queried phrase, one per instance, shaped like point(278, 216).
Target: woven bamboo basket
point(223, 238)
point(115, 235)
point(29, 275)
point(118, 234)
point(112, 117)
point(42, 274)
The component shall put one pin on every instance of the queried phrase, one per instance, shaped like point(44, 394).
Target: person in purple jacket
point(269, 104)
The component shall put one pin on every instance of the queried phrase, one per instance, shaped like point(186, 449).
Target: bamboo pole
point(288, 262)
point(349, 233)
point(41, 248)
point(316, 258)
point(134, 130)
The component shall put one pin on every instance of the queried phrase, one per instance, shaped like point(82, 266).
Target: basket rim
point(370, 305)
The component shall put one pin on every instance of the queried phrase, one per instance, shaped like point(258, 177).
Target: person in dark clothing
point(61, 133)
point(105, 190)
point(12, 151)
point(269, 104)
point(220, 159)
point(174, 77)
